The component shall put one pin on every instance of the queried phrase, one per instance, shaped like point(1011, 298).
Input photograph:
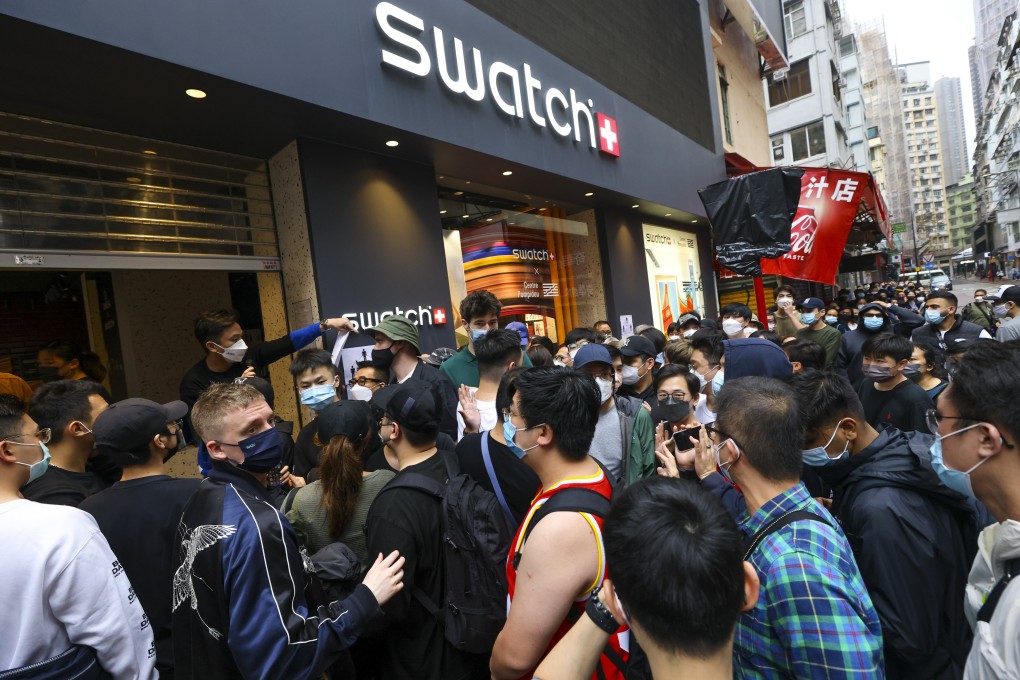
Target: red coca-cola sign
point(828, 205)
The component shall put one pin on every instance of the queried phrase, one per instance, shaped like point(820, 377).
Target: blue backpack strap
point(487, 457)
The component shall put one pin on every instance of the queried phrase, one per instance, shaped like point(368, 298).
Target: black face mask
point(843, 318)
point(673, 411)
point(49, 373)
point(383, 358)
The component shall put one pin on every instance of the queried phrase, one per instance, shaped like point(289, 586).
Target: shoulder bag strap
point(988, 608)
point(777, 524)
point(487, 457)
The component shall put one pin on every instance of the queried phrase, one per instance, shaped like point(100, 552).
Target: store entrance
point(543, 263)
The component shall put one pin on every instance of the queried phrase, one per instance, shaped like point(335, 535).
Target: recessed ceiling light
point(442, 177)
point(134, 180)
point(635, 206)
point(465, 216)
point(507, 173)
point(195, 93)
point(489, 220)
point(590, 193)
point(458, 193)
point(467, 182)
point(694, 221)
point(150, 152)
point(393, 142)
point(669, 214)
point(442, 212)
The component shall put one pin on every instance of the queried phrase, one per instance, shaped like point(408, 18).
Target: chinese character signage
point(827, 209)
point(674, 274)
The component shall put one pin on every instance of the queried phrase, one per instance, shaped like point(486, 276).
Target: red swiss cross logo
point(609, 140)
point(439, 316)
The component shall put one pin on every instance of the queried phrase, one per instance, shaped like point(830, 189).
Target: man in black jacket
point(913, 538)
point(872, 319)
point(944, 327)
point(227, 356)
point(397, 350)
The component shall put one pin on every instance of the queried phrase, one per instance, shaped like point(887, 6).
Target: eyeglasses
point(932, 418)
point(713, 430)
point(362, 381)
point(577, 345)
point(677, 396)
point(42, 437)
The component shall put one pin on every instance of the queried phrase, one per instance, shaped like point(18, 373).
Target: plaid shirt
point(814, 617)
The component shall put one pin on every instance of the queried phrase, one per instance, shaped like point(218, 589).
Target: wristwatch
point(600, 614)
point(323, 324)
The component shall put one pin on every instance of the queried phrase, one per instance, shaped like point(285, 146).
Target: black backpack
point(476, 539)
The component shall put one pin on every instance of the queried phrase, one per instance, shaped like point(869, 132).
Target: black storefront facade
point(551, 150)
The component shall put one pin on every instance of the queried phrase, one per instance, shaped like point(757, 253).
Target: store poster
point(674, 274)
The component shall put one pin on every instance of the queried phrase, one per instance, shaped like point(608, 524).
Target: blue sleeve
point(274, 633)
point(305, 336)
point(730, 496)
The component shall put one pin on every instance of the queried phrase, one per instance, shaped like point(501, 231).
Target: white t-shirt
point(487, 409)
point(704, 415)
point(62, 585)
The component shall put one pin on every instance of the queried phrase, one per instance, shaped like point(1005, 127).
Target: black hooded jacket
point(914, 540)
point(849, 360)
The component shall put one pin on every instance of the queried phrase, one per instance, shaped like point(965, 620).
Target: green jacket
point(638, 435)
point(462, 368)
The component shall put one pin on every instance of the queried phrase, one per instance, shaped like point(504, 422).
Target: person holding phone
point(677, 394)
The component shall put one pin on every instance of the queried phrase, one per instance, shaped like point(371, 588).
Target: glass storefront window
point(545, 268)
point(674, 274)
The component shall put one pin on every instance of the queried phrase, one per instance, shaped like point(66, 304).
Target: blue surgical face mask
point(38, 468)
point(318, 397)
point(958, 481)
point(478, 333)
point(873, 323)
point(808, 318)
point(262, 452)
point(933, 316)
point(831, 320)
point(724, 468)
point(509, 432)
point(819, 457)
point(717, 382)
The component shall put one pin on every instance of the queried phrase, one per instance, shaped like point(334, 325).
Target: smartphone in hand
point(682, 440)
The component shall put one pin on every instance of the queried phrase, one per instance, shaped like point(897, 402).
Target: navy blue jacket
point(240, 603)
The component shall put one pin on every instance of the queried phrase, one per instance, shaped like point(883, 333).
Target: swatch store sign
point(516, 91)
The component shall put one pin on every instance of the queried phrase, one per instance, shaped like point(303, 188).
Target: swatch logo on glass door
point(567, 116)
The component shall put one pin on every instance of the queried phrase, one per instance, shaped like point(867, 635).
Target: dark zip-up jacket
point(914, 540)
point(849, 360)
point(240, 608)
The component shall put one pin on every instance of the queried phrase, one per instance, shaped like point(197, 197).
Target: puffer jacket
point(996, 650)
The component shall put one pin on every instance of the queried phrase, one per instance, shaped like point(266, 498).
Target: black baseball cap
point(1006, 294)
point(351, 418)
point(411, 404)
point(129, 425)
point(636, 345)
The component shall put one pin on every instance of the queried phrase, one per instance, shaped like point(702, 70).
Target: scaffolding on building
point(883, 107)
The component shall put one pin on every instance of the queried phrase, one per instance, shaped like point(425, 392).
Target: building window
point(873, 132)
point(724, 94)
point(797, 83)
point(778, 152)
point(854, 116)
point(847, 46)
point(808, 141)
point(795, 19)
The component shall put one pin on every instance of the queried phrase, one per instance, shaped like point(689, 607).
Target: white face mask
point(631, 375)
point(979, 298)
point(235, 353)
point(674, 337)
point(691, 331)
point(732, 326)
point(361, 393)
point(605, 389)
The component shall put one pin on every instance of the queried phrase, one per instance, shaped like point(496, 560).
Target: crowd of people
point(825, 492)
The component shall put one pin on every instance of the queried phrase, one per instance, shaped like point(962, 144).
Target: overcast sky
point(939, 32)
